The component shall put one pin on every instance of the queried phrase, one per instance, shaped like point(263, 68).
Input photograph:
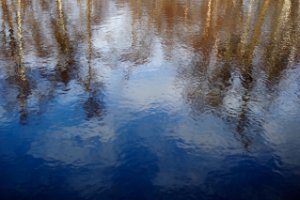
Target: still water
point(160, 99)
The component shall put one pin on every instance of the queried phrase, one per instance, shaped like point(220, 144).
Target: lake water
point(150, 99)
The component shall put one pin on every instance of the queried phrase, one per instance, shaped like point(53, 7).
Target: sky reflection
point(186, 99)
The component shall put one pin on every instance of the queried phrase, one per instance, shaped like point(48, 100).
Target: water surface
point(162, 99)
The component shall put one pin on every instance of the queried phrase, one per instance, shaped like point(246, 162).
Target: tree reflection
point(93, 107)
point(65, 58)
point(24, 87)
point(223, 61)
point(232, 33)
point(228, 41)
point(16, 48)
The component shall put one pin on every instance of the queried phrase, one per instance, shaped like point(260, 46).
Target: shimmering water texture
point(150, 99)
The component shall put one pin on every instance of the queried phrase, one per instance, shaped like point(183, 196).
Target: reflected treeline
point(228, 34)
point(234, 44)
point(231, 44)
point(13, 49)
point(41, 45)
point(149, 98)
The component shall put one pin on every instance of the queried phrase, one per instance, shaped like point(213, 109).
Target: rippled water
point(162, 99)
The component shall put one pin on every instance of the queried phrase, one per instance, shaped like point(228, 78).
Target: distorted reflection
point(163, 99)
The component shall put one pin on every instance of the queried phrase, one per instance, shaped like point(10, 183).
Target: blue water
point(150, 100)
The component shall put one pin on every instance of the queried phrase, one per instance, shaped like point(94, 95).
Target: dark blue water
point(181, 99)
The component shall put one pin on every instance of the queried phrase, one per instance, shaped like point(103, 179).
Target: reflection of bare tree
point(65, 60)
point(90, 45)
point(246, 71)
point(3, 25)
point(282, 39)
point(23, 83)
point(93, 107)
point(7, 19)
point(39, 41)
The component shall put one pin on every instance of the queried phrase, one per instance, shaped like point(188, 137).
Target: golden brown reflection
point(244, 38)
point(235, 29)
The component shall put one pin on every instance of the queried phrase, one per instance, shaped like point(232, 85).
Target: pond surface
point(162, 99)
